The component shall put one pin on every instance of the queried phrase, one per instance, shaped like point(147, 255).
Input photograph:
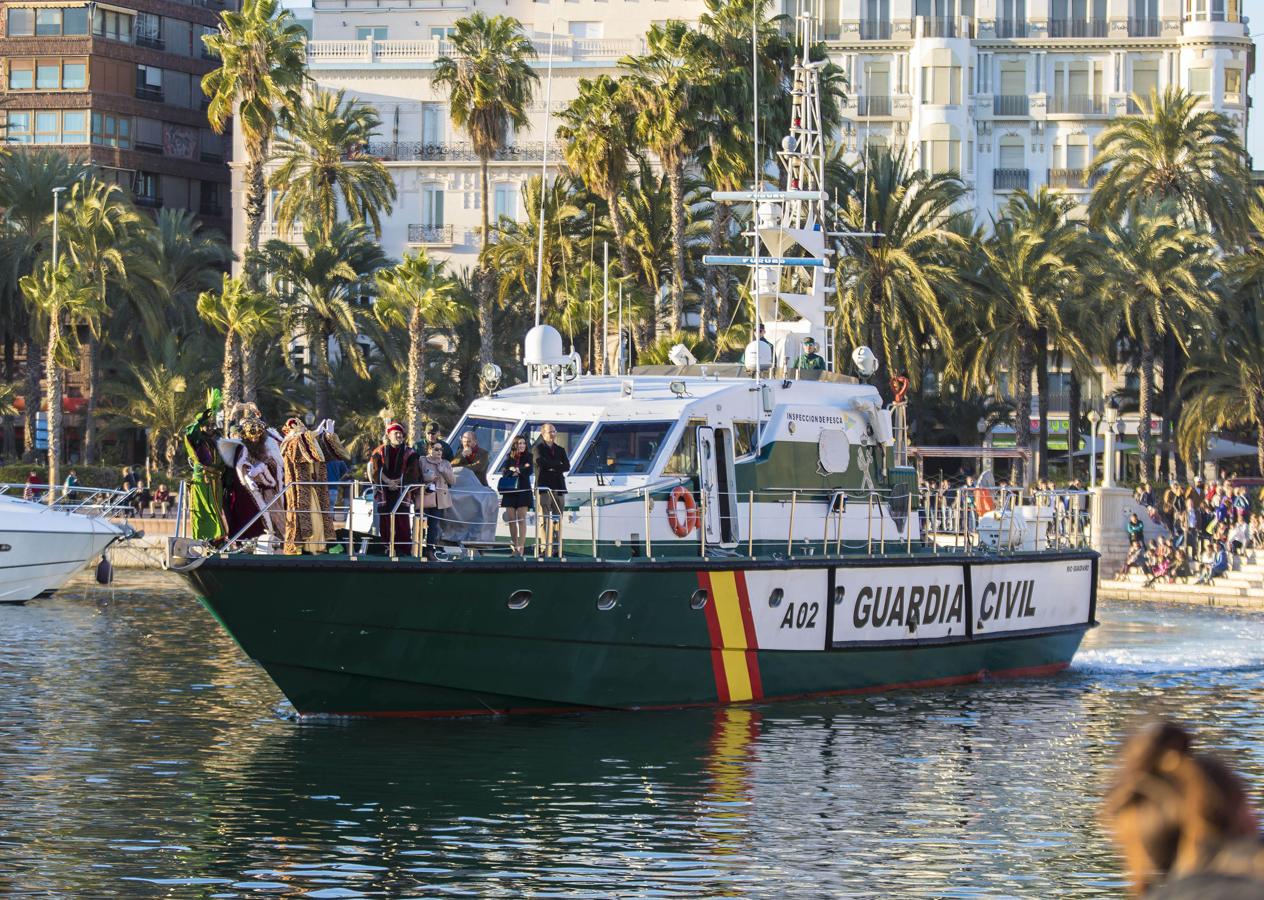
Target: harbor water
point(142, 755)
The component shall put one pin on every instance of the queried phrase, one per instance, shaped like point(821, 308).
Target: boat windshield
point(492, 434)
point(569, 434)
point(623, 448)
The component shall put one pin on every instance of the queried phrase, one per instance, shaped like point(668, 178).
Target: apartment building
point(384, 53)
point(119, 84)
point(1014, 93)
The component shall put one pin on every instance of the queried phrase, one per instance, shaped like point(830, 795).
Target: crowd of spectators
point(1197, 528)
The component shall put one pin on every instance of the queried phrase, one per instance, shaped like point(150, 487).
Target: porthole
point(519, 599)
point(699, 599)
point(607, 599)
point(774, 599)
point(839, 593)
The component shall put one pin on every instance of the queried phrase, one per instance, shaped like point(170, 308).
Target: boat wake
point(1173, 660)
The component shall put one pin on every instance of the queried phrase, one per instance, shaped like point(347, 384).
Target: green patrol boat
point(730, 533)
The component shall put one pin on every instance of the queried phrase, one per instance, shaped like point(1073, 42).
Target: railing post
point(750, 526)
point(869, 527)
point(702, 522)
point(649, 547)
point(794, 496)
point(539, 519)
point(882, 527)
point(908, 524)
point(592, 516)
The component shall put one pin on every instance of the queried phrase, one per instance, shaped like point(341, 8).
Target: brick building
point(120, 85)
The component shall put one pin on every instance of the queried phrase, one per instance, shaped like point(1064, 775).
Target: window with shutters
point(506, 200)
point(1145, 78)
point(941, 156)
point(941, 85)
point(1233, 86)
point(1200, 82)
point(432, 205)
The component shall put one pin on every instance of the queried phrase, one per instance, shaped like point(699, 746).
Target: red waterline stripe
point(948, 681)
point(752, 639)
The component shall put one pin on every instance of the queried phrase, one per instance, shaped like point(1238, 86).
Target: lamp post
point(56, 197)
point(1093, 419)
point(1110, 419)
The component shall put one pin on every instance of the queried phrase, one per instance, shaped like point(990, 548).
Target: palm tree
point(154, 396)
point(324, 162)
point(513, 256)
point(319, 283)
point(1174, 152)
point(669, 83)
point(598, 128)
point(98, 225)
point(175, 261)
point(235, 311)
point(65, 299)
point(262, 53)
point(416, 294)
point(1153, 275)
point(490, 84)
point(27, 181)
point(893, 288)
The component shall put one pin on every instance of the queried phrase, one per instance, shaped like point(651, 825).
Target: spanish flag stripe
point(752, 638)
point(713, 631)
point(731, 635)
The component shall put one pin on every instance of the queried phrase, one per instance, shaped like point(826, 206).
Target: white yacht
point(42, 546)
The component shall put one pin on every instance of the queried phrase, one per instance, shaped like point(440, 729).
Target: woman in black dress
point(515, 492)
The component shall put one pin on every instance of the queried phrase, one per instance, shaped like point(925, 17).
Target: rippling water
point(142, 756)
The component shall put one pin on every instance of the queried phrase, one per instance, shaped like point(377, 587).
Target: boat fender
point(105, 571)
point(680, 496)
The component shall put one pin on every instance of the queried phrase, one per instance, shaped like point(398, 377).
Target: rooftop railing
point(425, 151)
point(564, 47)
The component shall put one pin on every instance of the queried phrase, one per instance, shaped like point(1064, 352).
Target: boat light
point(680, 389)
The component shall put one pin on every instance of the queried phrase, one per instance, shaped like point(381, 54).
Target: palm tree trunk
point(320, 373)
point(676, 180)
point(1167, 456)
point(232, 344)
point(1022, 398)
point(711, 277)
point(172, 448)
point(723, 312)
point(416, 374)
point(1257, 416)
point(54, 376)
point(31, 396)
point(1073, 423)
point(620, 234)
point(1042, 401)
point(93, 379)
point(1145, 446)
point(249, 356)
point(256, 206)
point(486, 327)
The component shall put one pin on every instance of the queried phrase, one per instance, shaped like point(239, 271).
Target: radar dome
point(543, 347)
point(864, 360)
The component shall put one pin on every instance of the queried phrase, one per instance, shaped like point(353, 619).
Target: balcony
point(1009, 104)
point(1071, 179)
point(1144, 27)
point(1009, 179)
point(335, 53)
point(875, 105)
point(1078, 28)
point(1076, 105)
point(430, 235)
point(420, 151)
point(144, 92)
point(147, 202)
point(1011, 29)
point(150, 40)
point(146, 147)
point(875, 31)
point(940, 27)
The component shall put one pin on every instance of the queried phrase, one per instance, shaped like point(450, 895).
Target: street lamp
point(1093, 419)
point(56, 197)
point(1110, 419)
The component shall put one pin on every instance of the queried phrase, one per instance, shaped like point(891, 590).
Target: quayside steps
point(1242, 586)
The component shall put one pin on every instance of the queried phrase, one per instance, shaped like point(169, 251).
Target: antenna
point(544, 176)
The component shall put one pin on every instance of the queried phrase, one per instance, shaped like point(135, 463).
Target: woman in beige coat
point(438, 478)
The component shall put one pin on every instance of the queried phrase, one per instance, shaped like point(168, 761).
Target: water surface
point(141, 755)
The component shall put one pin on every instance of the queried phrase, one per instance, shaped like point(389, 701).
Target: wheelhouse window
point(492, 434)
point(684, 456)
point(744, 436)
point(623, 448)
point(569, 434)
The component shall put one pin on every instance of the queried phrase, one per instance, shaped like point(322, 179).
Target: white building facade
point(1013, 94)
point(1010, 93)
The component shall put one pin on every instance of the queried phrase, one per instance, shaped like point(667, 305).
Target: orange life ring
point(681, 497)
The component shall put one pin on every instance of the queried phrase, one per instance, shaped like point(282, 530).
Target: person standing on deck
point(809, 358)
point(472, 457)
point(206, 485)
point(392, 466)
point(438, 477)
point(551, 465)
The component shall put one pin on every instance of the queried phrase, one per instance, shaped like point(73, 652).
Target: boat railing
point(656, 520)
point(80, 499)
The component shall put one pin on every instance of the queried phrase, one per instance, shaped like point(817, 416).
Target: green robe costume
point(206, 486)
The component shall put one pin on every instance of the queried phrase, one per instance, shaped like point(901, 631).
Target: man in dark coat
point(393, 466)
point(551, 465)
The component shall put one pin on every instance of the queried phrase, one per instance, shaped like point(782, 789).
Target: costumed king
point(309, 526)
point(206, 484)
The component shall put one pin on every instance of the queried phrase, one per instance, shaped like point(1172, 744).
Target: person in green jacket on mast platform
point(809, 358)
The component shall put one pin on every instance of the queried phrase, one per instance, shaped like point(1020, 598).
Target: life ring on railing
point(680, 497)
point(899, 387)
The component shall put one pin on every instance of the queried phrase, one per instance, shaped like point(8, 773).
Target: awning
point(1224, 449)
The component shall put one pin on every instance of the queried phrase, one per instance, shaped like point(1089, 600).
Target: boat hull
point(42, 551)
point(378, 638)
